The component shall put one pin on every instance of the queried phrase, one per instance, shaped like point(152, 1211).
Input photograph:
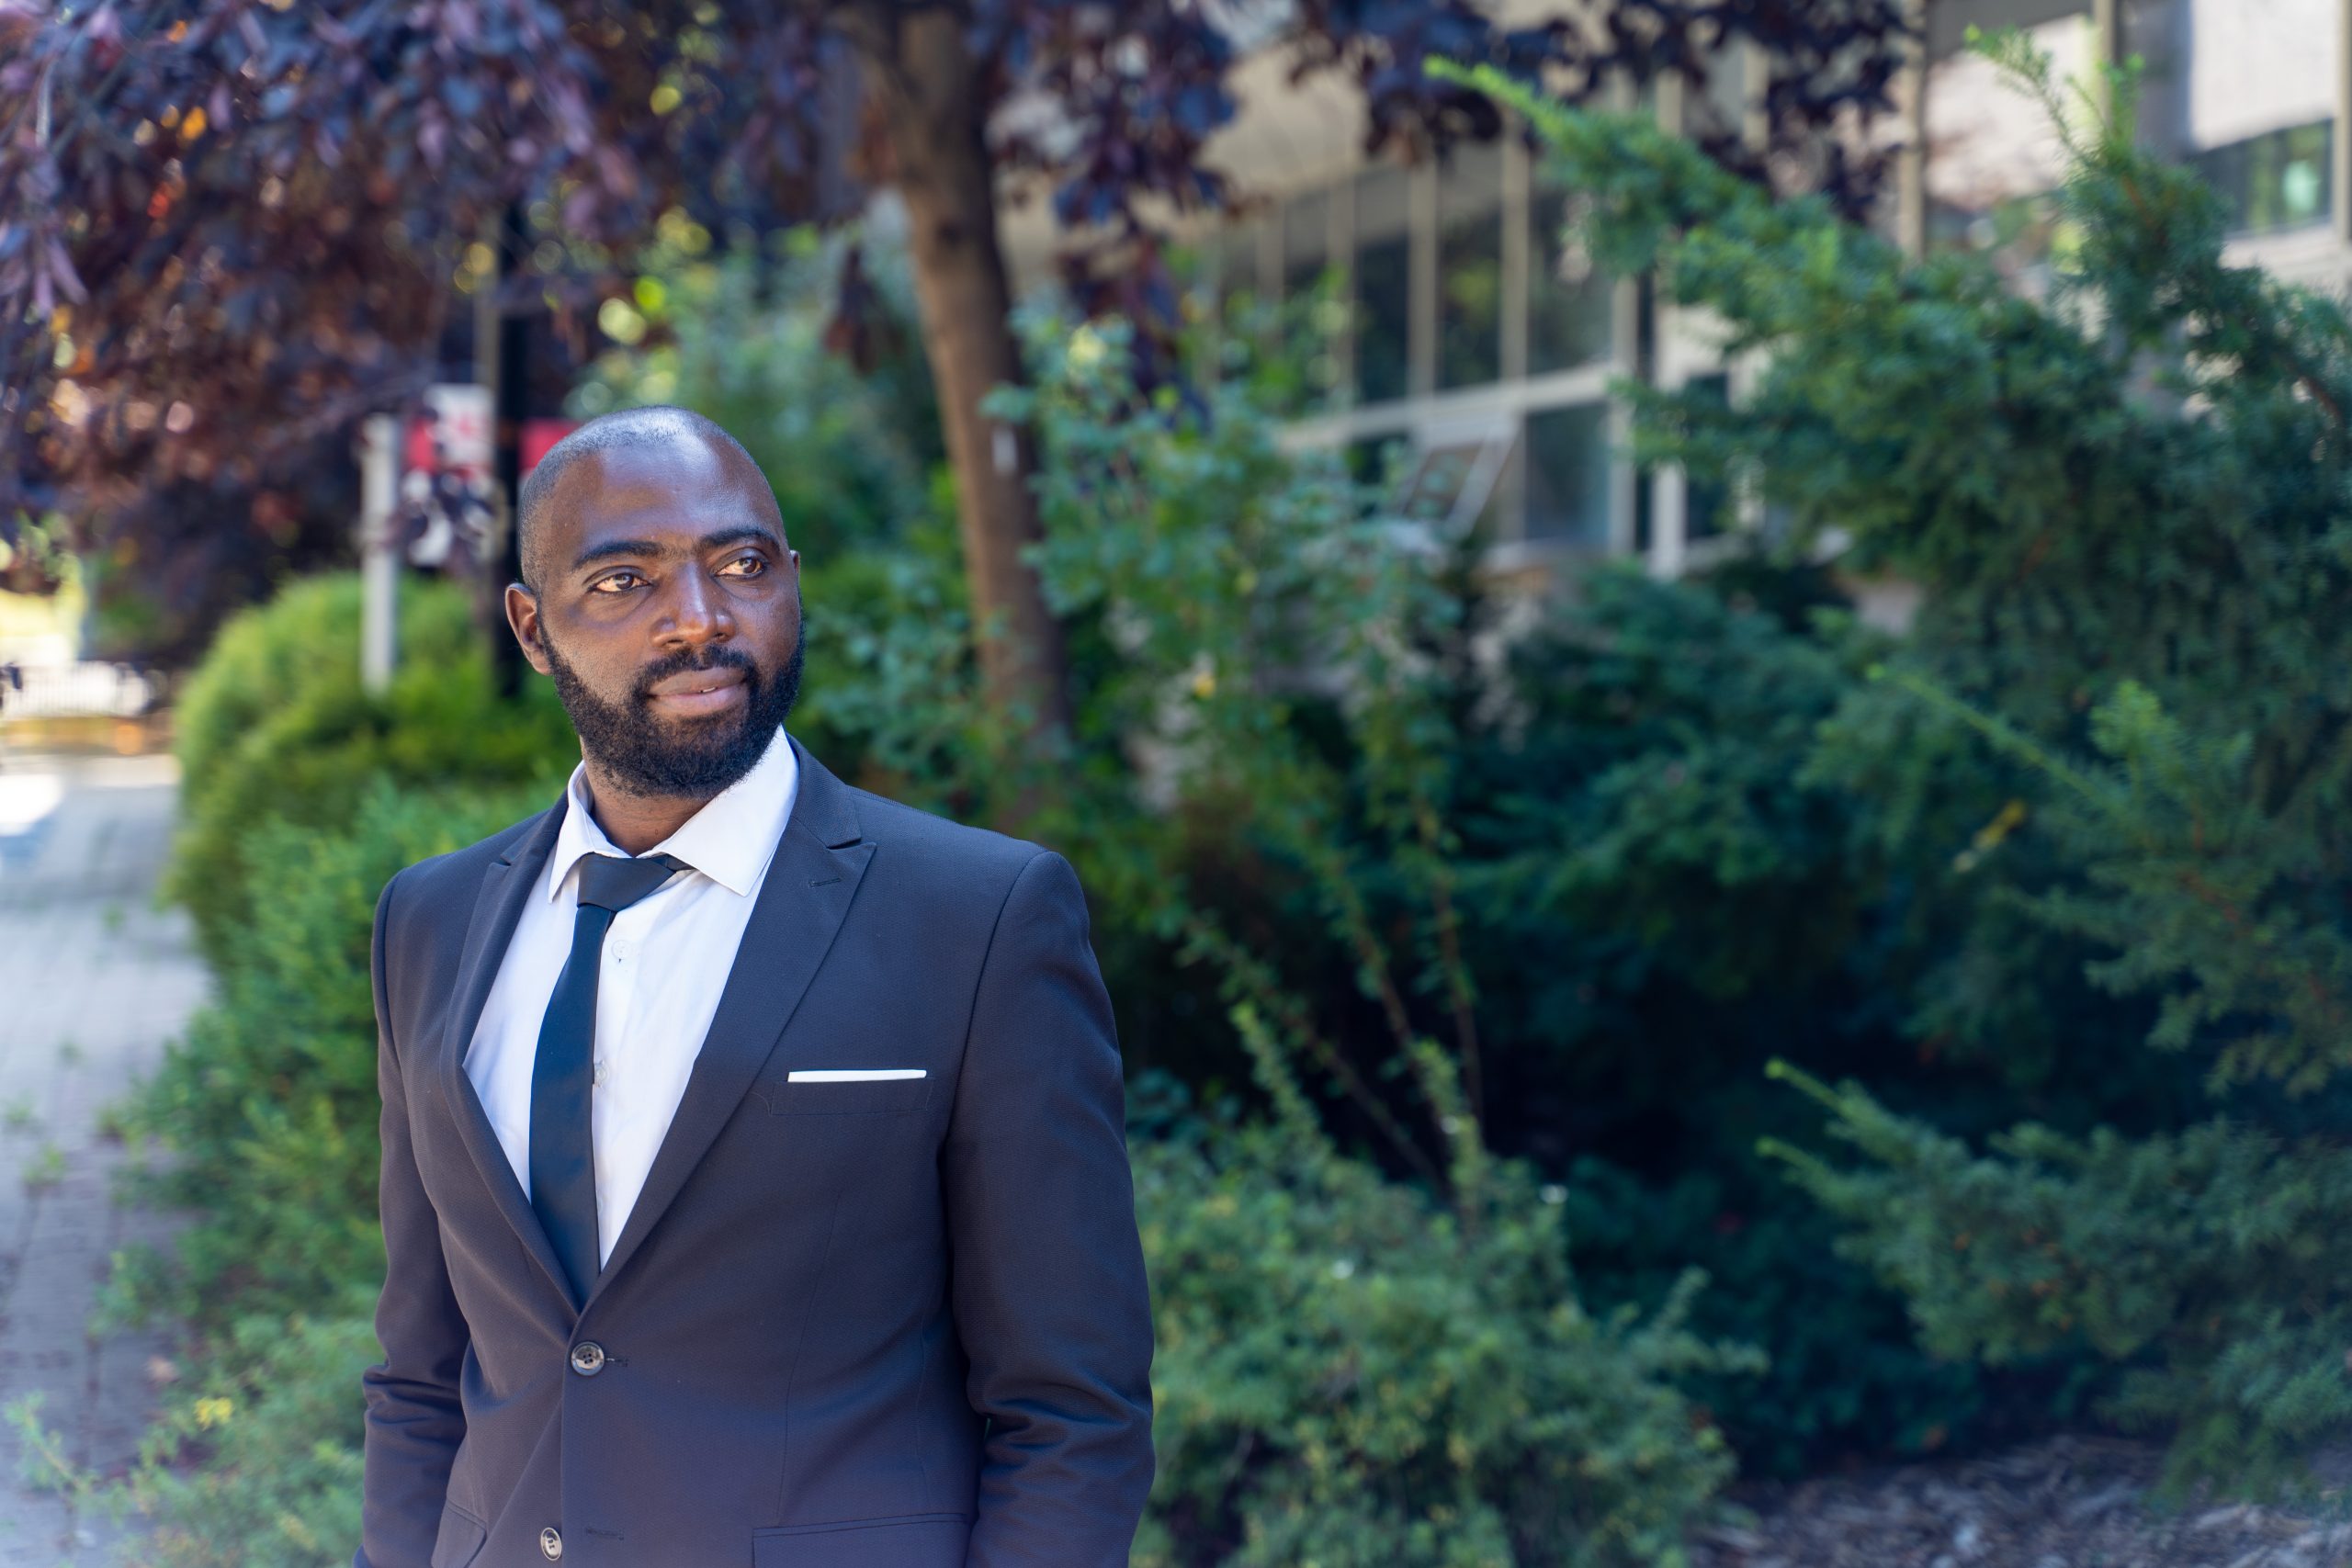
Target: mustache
point(715, 656)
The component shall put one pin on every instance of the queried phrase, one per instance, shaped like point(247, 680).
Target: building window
point(1234, 266)
point(1383, 284)
point(1311, 309)
point(1470, 268)
point(1567, 474)
point(1567, 301)
point(1707, 503)
point(2278, 180)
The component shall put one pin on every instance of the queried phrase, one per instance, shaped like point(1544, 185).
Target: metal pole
point(379, 559)
point(1911, 164)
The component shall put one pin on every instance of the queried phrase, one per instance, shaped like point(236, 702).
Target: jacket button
point(587, 1358)
point(551, 1544)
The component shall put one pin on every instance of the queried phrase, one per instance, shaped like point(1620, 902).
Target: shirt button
point(551, 1544)
point(587, 1358)
point(597, 1077)
point(620, 953)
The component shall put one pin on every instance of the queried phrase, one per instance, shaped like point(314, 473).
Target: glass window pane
point(1375, 459)
point(1568, 304)
point(1707, 501)
point(1470, 267)
point(1236, 271)
point(1726, 96)
point(1307, 253)
point(1382, 286)
point(1306, 236)
point(2303, 174)
point(2281, 179)
point(1436, 484)
point(1567, 474)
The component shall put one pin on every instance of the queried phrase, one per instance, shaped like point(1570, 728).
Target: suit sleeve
point(1049, 1294)
point(414, 1422)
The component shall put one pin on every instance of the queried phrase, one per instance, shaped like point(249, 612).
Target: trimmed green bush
point(274, 726)
point(1351, 1375)
point(276, 1430)
point(269, 1106)
point(2125, 499)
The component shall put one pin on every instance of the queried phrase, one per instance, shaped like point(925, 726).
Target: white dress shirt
point(665, 960)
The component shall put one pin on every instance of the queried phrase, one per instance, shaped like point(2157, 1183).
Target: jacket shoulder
point(950, 849)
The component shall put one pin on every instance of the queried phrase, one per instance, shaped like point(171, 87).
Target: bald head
point(645, 429)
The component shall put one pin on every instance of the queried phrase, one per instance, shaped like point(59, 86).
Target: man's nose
point(697, 611)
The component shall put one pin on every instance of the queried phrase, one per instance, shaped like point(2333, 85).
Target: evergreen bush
point(2127, 503)
point(1657, 894)
point(267, 1107)
point(1351, 1375)
point(274, 726)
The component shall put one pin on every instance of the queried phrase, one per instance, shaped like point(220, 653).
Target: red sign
point(538, 434)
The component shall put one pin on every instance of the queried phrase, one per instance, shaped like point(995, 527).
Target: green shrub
point(268, 1112)
point(750, 338)
point(273, 1428)
point(1351, 1375)
point(274, 725)
point(268, 1107)
point(2126, 501)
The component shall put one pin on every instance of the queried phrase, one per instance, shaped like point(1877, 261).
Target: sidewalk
point(92, 982)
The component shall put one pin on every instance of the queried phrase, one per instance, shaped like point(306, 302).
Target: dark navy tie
point(563, 1162)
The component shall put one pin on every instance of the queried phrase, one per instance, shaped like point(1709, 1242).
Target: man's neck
point(635, 822)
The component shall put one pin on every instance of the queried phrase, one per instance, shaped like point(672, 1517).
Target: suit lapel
point(801, 905)
point(497, 907)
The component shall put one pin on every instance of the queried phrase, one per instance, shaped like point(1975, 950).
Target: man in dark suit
point(754, 1186)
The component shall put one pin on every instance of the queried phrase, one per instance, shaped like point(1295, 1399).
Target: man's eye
point(615, 583)
point(753, 566)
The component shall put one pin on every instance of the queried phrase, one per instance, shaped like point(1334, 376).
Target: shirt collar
point(730, 841)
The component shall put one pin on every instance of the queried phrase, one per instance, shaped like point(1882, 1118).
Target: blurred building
point(1460, 328)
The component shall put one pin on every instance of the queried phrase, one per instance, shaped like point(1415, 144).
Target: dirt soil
point(2071, 1502)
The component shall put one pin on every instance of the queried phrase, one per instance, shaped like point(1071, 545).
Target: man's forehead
point(686, 476)
point(672, 462)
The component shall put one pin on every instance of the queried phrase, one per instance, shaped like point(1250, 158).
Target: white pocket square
point(851, 1075)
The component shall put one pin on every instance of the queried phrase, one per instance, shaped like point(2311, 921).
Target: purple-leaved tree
point(229, 227)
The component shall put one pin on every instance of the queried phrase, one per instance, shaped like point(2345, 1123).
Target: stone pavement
point(93, 980)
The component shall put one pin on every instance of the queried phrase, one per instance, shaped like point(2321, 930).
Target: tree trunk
point(927, 90)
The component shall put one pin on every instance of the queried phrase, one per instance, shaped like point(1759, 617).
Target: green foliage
point(1353, 1369)
point(751, 338)
point(274, 726)
point(276, 1430)
point(45, 1169)
point(297, 782)
point(2204, 1261)
point(266, 1108)
point(2126, 502)
point(1602, 866)
point(1349, 1374)
point(255, 1464)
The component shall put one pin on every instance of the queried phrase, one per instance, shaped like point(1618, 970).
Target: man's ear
point(523, 615)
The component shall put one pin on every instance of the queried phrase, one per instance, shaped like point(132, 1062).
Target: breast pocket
point(845, 1096)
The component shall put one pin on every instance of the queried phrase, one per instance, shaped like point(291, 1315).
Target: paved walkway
point(93, 980)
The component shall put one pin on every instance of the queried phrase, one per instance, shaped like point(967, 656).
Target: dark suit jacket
point(896, 1324)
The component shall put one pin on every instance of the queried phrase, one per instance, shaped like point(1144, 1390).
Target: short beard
point(627, 743)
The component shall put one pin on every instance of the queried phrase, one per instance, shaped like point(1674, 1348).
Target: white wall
point(1987, 141)
point(2258, 65)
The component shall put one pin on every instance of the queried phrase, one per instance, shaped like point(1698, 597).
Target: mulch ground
point(2072, 1502)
